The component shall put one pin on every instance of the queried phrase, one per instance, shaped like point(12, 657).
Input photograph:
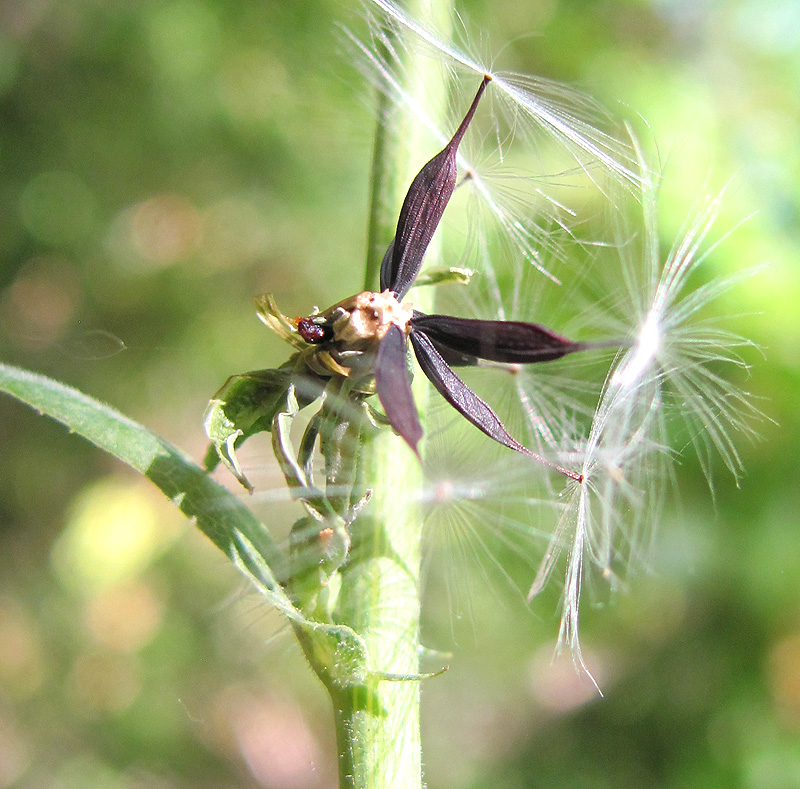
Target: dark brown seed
point(393, 385)
point(465, 401)
point(514, 342)
point(422, 209)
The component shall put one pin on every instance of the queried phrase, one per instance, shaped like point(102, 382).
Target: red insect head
point(311, 332)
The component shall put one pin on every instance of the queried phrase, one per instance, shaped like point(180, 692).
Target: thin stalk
point(377, 724)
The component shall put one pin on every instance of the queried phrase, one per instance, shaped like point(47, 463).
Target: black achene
point(349, 331)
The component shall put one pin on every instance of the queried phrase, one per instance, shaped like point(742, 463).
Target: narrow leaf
point(393, 385)
point(452, 275)
point(422, 209)
point(219, 514)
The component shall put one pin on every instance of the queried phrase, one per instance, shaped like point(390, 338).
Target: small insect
point(313, 333)
point(368, 334)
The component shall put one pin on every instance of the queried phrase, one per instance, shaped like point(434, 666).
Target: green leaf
point(454, 275)
point(246, 404)
point(218, 513)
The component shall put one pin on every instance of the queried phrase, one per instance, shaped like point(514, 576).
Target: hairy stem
point(377, 724)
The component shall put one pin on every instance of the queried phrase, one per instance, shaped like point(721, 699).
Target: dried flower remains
point(440, 342)
point(365, 337)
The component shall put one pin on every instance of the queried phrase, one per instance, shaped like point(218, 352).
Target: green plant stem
point(377, 725)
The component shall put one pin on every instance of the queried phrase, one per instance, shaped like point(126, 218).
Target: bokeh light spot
point(165, 229)
point(40, 303)
point(125, 618)
point(183, 38)
point(57, 208)
point(771, 27)
point(14, 753)
point(556, 686)
point(104, 684)
point(114, 531)
point(235, 234)
point(273, 738)
point(21, 664)
point(250, 84)
point(784, 677)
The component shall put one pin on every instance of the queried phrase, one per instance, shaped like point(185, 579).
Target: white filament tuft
point(644, 355)
point(555, 108)
point(670, 370)
point(625, 458)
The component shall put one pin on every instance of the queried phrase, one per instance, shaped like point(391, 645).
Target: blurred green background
point(161, 164)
